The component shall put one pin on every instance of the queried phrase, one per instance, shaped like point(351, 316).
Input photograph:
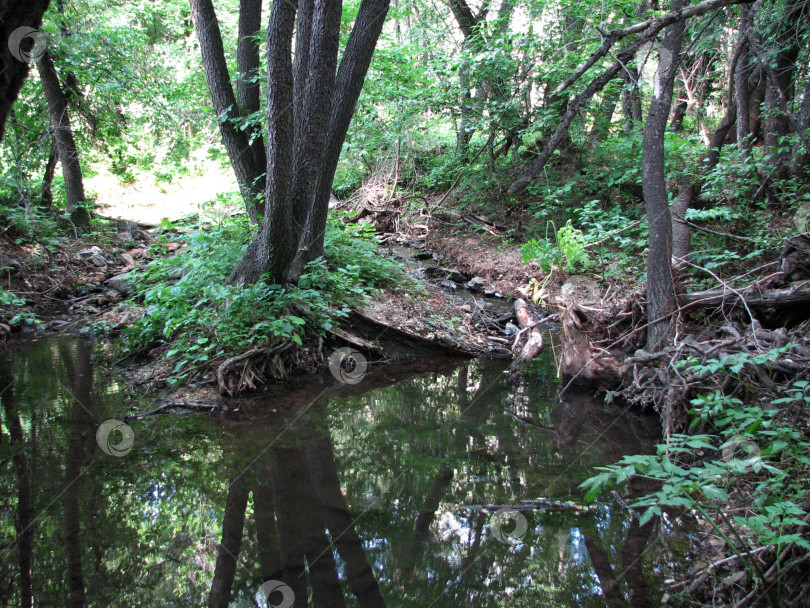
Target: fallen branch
point(527, 323)
point(754, 297)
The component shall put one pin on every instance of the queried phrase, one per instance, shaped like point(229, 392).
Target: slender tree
point(247, 157)
point(660, 285)
point(63, 136)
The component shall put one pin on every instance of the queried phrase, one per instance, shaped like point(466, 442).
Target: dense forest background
point(537, 110)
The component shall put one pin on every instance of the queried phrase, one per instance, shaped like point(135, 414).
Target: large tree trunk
point(272, 250)
point(780, 83)
point(742, 74)
point(660, 285)
point(297, 195)
point(65, 144)
point(246, 160)
point(13, 15)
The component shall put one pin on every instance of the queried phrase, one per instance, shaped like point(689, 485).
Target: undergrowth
point(743, 467)
point(190, 307)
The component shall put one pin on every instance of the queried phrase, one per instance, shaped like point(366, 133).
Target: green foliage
point(189, 305)
point(568, 252)
point(760, 443)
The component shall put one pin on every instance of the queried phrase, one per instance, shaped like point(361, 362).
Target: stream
point(318, 493)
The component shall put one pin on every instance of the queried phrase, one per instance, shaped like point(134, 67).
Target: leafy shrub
point(746, 439)
point(189, 305)
point(568, 252)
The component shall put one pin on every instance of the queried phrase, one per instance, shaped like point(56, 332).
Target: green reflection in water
point(362, 495)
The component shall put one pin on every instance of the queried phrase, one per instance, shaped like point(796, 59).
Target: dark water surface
point(357, 495)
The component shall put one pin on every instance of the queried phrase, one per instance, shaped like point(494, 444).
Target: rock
point(466, 308)
point(457, 276)
point(476, 284)
point(511, 329)
point(97, 260)
point(451, 285)
point(581, 289)
point(126, 259)
point(446, 274)
point(424, 255)
point(91, 252)
point(137, 253)
point(120, 283)
point(113, 295)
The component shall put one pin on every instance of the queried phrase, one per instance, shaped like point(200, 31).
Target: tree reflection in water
point(350, 495)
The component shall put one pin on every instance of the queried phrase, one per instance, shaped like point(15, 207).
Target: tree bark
point(742, 74)
point(348, 85)
point(273, 248)
point(780, 83)
point(309, 110)
point(660, 285)
point(247, 167)
point(66, 146)
point(248, 90)
point(46, 194)
point(15, 14)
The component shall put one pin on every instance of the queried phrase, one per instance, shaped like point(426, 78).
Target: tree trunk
point(631, 98)
point(248, 90)
point(801, 153)
point(46, 196)
point(742, 73)
point(245, 161)
point(348, 85)
point(66, 146)
point(272, 250)
point(660, 285)
point(14, 69)
point(780, 84)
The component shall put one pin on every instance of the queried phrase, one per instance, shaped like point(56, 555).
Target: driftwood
point(527, 323)
point(581, 363)
point(754, 297)
point(394, 343)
